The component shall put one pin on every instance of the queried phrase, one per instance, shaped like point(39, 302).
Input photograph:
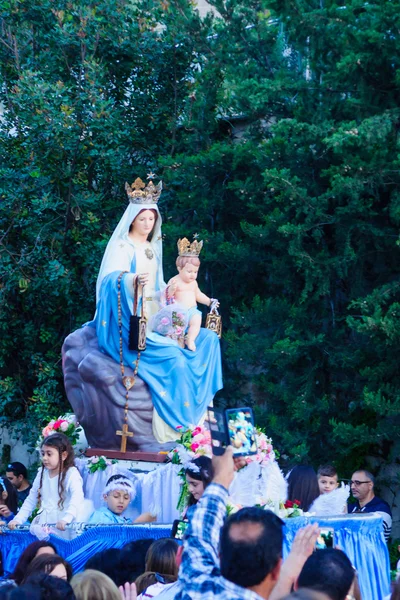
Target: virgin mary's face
point(144, 223)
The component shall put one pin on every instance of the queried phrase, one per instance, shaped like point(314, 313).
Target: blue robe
point(104, 516)
point(182, 382)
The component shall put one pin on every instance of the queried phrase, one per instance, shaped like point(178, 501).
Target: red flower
point(297, 502)
point(57, 424)
point(288, 504)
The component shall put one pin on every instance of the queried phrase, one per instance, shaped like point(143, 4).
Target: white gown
point(50, 512)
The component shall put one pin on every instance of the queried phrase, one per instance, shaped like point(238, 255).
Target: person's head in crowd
point(362, 486)
point(32, 551)
point(8, 498)
point(303, 486)
point(149, 578)
point(51, 564)
point(118, 493)
point(251, 549)
point(12, 592)
point(327, 479)
point(161, 557)
point(93, 585)
point(328, 571)
point(199, 474)
point(306, 594)
point(48, 587)
point(133, 559)
point(107, 562)
point(17, 475)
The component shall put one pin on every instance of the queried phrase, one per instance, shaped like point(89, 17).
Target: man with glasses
point(362, 489)
point(16, 474)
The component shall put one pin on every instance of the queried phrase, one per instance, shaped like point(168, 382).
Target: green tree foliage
point(274, 126)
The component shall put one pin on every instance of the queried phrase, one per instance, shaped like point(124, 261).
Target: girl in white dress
point(57, 489)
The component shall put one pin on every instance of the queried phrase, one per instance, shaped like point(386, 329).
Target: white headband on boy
point(123, 484)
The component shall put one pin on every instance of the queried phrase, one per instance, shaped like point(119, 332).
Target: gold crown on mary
point(140, 193)
point(185, 248)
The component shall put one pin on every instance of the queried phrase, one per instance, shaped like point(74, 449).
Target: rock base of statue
point(94, 388)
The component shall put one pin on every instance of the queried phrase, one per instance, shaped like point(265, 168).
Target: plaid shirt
point(199, 576)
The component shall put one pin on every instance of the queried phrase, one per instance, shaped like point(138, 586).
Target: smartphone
point(241, 431)
point(325, 538)
point(179, 528)
point(217, 425)
point(235, 427)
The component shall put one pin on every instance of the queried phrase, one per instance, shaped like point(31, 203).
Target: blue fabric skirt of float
point(359, 536)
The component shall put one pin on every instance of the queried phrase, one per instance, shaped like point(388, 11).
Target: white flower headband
point(123, 484)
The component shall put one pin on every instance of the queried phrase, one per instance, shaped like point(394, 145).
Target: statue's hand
point(143, 278)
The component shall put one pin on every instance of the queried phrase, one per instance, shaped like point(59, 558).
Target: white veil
point(108, 264)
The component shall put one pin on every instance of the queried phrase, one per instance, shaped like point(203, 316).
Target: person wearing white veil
point(182, 383)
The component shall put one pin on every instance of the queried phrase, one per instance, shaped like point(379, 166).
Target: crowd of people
point(235, 557)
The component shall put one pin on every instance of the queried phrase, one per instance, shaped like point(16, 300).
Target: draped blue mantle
point(182, 383)
point(360, 537)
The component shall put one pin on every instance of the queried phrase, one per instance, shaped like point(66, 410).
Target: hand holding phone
point(232, 427)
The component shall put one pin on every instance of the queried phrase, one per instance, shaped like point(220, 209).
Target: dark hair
point(133, 559)
point(150, 578)
point(45, 563)
point(328, 571)
point(153, 210)
point(12, 592)
point(326, 471)
point(17, 469)
point(49, 588)
point(257, 555)
point(62, 444)
point(107, 562)
point(161, 557)
point(27, 557)
point(303, 486)
point(203, 471)
point(12, 499)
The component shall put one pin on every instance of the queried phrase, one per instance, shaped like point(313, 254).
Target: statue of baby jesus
point(182, 295)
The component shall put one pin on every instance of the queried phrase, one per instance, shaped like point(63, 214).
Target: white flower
point(94, 460)
point(64, 426)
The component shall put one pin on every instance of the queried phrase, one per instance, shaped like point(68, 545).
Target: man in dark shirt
point(17, 475)
point(362, 488)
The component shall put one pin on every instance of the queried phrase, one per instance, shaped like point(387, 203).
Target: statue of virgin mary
point(182, 383)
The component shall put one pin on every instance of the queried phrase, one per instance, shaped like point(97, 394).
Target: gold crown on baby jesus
point(185, 248)
point(140, 193)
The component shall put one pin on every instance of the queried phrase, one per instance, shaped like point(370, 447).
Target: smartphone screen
point(178, 529)
point(325, 538)
point(241, 431)
point(217, 426)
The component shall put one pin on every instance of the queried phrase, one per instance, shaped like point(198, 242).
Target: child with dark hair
point(108, 562)
point(199, 474)
point(58, 486)
point(51, 564)
point(8, 501)
point(32, 551)
point(303, 486)
point(327, 479)
point(118, 494)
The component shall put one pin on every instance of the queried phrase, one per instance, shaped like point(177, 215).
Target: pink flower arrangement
point(196, 441)
point(66, 424)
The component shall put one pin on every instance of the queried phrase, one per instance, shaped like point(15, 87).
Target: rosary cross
point(125, 434)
